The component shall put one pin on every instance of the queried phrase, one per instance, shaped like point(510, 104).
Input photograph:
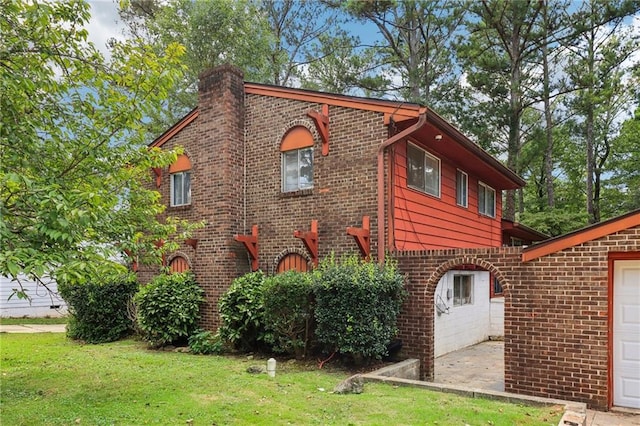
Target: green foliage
point(204, 342)
point(242, 312)
point(99, 308)
point(357, 304)
point(74, 162)
point(288, 312)
point(169, 308)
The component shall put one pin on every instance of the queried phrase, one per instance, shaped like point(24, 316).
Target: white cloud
point(104, 24)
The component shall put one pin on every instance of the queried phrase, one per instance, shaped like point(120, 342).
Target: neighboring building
point(42, 302)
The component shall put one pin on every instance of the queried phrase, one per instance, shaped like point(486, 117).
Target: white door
point(626, 333)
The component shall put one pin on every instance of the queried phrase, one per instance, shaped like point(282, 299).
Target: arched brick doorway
point(468, 324)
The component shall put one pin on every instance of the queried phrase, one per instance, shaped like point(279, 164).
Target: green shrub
point(357, 305)
point(204, 342)
point(99, 309)
point(242, 312)
point(168, 308)
point(288, 312)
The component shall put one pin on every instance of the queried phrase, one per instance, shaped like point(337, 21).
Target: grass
point(26, 320)
point(49, 380)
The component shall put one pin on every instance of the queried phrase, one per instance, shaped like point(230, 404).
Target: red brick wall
point(556, 314)
point(344, 181)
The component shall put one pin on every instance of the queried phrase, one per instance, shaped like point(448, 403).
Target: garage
point(626, 333)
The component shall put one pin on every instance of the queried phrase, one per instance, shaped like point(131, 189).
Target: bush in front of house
point(99, 309)
point(288, 312)
point(204, 342)
point(168, 308)
point(242, 313)
point(357, 305)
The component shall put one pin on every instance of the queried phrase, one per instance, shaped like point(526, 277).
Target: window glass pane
point(306, 168)
point(481, 199)
point(177, 189)
point(462, 290)
point(432, 175)
point(415, 167)
point(187, 188)
point(290, 170)
point(491, 202)
point(461, 188)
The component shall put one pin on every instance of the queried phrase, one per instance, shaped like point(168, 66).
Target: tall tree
point(598, 67)
point(415, 49)
point(213, 32)
point(499, 58)
point(73, 159)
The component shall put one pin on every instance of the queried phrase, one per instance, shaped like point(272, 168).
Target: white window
point(462, 290)
point(423, 170)
point(297, 169)
point(181, 189)
point(486, 200)
point(462, 194)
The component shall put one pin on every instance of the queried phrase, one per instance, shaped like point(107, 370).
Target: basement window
point(462, 290)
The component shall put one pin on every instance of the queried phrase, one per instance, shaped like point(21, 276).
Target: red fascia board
point(458, 136)
point(581, 236)
point(175, 129)
point(392, 108)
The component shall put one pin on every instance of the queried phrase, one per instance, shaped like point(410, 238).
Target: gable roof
point(175, 129)
point(583, 235)
point(402, 115)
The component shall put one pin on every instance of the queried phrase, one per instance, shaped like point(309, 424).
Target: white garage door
point(626, 333)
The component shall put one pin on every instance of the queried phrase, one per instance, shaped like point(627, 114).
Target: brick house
point(284, 177)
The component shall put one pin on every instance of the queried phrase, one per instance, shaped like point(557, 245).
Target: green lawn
point(48, 320)
point(47, 380)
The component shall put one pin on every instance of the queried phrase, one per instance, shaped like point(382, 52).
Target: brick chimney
point(219, 183)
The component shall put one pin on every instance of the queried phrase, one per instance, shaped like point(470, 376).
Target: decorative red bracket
point(158, 173)
point(134, 262)
point(362, 236)
point(251, 244)
point(193, 242)
point(310, 240)
point(321, 120)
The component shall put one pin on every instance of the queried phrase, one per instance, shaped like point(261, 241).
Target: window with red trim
point(180, 175)
point(297, 159)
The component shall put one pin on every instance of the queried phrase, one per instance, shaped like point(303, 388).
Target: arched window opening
point(297, 159)
point(180, 173)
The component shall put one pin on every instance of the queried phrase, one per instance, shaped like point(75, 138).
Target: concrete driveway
point(482, 367)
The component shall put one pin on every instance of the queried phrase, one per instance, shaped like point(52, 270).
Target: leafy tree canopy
point(73, 159)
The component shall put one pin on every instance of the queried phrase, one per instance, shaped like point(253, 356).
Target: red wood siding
point(424, 222)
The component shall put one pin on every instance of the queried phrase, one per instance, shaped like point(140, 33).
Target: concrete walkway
point(482, 367)
point(33, 328)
